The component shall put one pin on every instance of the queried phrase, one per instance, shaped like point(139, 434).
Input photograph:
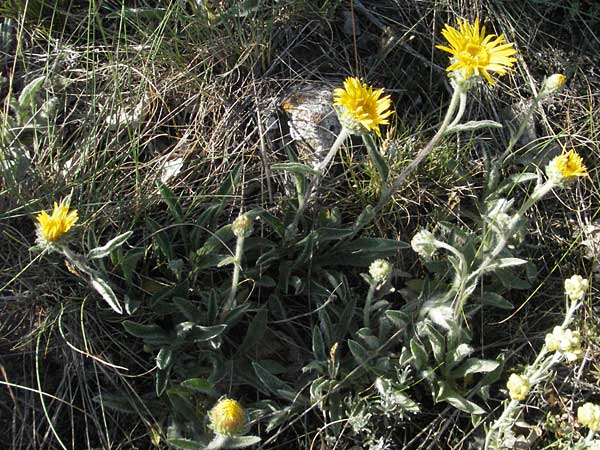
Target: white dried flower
point(242, 226)
point(423, 243)
point(380, 270)
point(575, 287)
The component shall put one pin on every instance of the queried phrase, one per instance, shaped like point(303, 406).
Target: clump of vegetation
point(393, 291)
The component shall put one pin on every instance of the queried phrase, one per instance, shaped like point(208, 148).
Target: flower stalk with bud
point(380, 272)
point(242, 228)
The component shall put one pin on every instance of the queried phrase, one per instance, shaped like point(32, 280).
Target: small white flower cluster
point(242, 226)
point(380, 270)
point(518, 387)
point(575, 287)
point(423, 243)
point(589, 415)
point(567, 342)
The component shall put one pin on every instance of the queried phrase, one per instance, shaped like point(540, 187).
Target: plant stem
point(368, 304)
point(317, 178)
point(235, 278)
point(539, 192)
point(387, 195)
point(515, 138)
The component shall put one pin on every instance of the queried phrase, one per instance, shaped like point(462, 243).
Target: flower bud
point(227, 417)
point(575, 287)
point(552, 84)
point(380, 270)
point(242, 226)
point(518, 387)
point(423, 243)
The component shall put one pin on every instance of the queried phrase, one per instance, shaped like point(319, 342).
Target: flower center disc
point(477, 53)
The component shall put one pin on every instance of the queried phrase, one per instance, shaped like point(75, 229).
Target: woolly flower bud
point(227, 417)
point(380, 270)
point(567, 342)
point(552, 84)
point(242, 226)
point(518, 387)
point(423, 243)
point(589, 415)
point(575, 287)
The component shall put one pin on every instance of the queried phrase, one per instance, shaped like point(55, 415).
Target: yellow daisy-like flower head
point(360, 107)
point(475, 53)
point(50, 228)
point(227, 417)
point(566, 167)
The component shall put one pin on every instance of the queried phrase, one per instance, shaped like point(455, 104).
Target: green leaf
point(473, 125)
point(186, 444)
point(362, 252)
point(378, 160)
point(164, 357)
point(419, 354)
point(475, 365)
point(332, 234)
point(437, 342)
point(241, 441)
point(29, 91)
point(256, 331)
point(171, 201)
point(398, 318)
point(178, 398)
point(510, 280)
point(150, 332)
point(106, 249)
point(360, 353)
point(161, 380)
point(226, 261)
point(449, 395)
point(200, 385)
point(120, 403)
point(217, 241)
point(186, 308)
point(345, 320)
point(318, 347)
point(364, 218)
point(228, 186)
point(106, 292)
point(268, 380)
point(295, 168)
point(456, 356)
point(493, 299)
point(515, 179)
point(198, 333)
point(503, 263)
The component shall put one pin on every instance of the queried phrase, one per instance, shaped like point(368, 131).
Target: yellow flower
point(361, 108)
point(475, 53)
point(518, 387)
point(227, 417)
point(589, 415)
point(51, 228)
point(566, 167)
